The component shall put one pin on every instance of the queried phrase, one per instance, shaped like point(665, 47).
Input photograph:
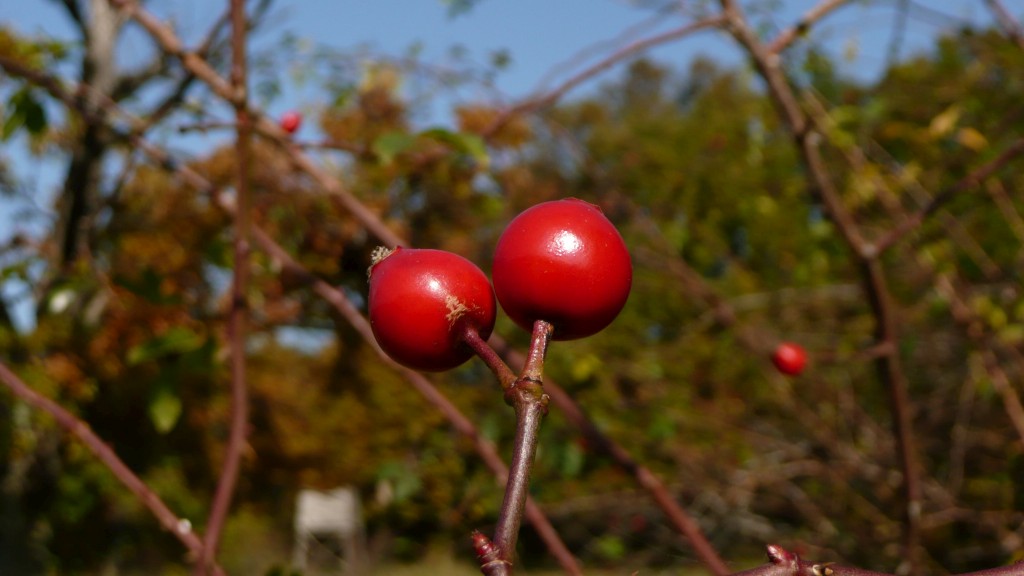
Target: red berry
point(790, 358)
point(290, 121)
point(563, 262)
point(421, 302)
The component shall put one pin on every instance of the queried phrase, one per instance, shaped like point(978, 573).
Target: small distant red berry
point(290, 121)
point(422, 301)
point(563, 262)
point(790, 358)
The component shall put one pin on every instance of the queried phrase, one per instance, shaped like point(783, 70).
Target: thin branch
point(972, 180)
point(807, 140)
point(782, 562)
point(171, 44)
point(181, 528)
point(75, 12)
point(1012, 217)
point(890, 372)
point(966, 317)
point(238, 315)
point(506, 378)
point(549, 98)
point(530, 402)
point(899, 32)
point(801, 27)
point(1008, 23)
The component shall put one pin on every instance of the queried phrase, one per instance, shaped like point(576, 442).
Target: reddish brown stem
point(534, 368)
point(239, 303)
point(482, 349)
point(530, 402)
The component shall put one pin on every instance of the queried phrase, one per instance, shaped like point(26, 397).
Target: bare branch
point(549, 98)
point(75, 12)
point(1006, 20)
point(171, 44)
point(238, 315)
point(812, 16)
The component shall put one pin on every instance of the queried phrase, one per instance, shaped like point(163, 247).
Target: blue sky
point(539, 35)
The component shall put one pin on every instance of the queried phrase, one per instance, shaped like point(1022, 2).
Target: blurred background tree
point(128, 291)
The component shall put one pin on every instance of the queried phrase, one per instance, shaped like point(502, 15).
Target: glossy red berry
point(290, 121)
point(564, 262)
point(421, 302)
point(789, 358)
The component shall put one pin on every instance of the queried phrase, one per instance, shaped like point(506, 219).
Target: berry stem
point(505, 376)
point(527, 397)
point(534, 368)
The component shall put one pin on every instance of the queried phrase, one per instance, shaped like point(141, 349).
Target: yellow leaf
point(944, 122)
point(971, 138)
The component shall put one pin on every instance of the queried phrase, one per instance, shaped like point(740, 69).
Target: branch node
point(779, 555)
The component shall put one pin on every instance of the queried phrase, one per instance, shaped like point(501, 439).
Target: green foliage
point(23, 111)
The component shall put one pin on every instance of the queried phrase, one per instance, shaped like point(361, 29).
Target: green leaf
point(611, 547)
point(572, 460)
point(391, 144)
point(12, 122)
point(404, 480)
point(177, 340)
point(164, 408)
point(35, 115)
point(468, 144)
point(25, 111)
point(148, 286)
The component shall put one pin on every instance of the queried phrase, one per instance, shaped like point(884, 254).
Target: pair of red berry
point(561, 261)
